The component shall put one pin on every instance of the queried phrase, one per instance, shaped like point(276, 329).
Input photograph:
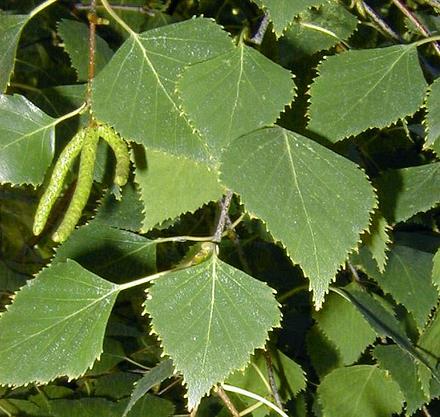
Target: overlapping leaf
point(433, 117)
point(362, 89)
point(397, 189)
point(135, 92)
point(75, 37)
point(436, 270)
point(171, 186)
point(314, 201)
point(26, 141)
point(10, 31)
point(336, 310)
point(56, 321)
point(339, 398)
point(282, 12)
point(234, 94)
point(210, 318)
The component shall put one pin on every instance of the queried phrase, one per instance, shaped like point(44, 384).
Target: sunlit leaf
point(433, 117)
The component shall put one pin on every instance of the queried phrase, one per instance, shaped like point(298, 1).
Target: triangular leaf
point(433, 117)
point(75, 37)
point(299, 188)
point(237, 81)
point(336, 310)
point(397, 189)
point(135, 92)
point(392, 88)
point(171, 186)
point(151, 378)
point(282, 12)
point(27, 138)
point(210, 318)
point(10, 31)
point(56, 321)
point(339, 398)
point(404, 371)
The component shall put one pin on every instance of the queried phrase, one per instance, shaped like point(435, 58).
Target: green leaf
point(397, 189)
point(407, 278)
point(362, 89)
point(151, 378)
point(210, 318)
point(432, 120)
point(282, 12)
point(26, 141)
point(377, 240)
point(251, 89)
point(114, 254)
point(84, 407)
point(337, 310)
point(299, 189)
point(359, 391)
point(115, 385)
point(135, 92)
point(171, 186)
point(151, 406)
point(10, 32)
point(319, 28)
point(404, 371)
point(125, 213)
point(75, 37)
point(436, 270)
point(56, 321)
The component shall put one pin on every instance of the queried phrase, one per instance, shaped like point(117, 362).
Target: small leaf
point(135, 92)
point(26, 141)
point(114, 254)
point(75, 37)
point(251, 89)
point(433, 117)
point(407, 278)
point(171, 186)
point(397, 189)
point(151, 378)
point(350, 392)
point(336, 310)
point(362, 89)
point(282, 12)
point(10, 32)
point(56, 321)
point(210, 318)
point(404, 371)
point(299, 188)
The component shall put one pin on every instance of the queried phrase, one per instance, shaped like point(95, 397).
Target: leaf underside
point(210, 318)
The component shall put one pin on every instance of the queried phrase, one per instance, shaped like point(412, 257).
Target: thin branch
point(283, 297)
point(120, 21)
point(426, 411)
point(273, 385)
point(123, 7)
point(258, 37)
point(168, 387)
point(92, 52)
point(376, 18)
point(41, 7)
point(224, 204)
point(251, 409)
point(417, 23)
point(353, 272)
point(224, 397)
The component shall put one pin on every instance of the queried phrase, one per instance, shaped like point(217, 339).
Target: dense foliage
point(220, 207)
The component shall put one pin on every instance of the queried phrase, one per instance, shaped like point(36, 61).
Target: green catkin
point(53, 190)
point(83, 186)
point(120, 149)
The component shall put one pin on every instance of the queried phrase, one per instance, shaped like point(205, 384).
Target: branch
point(91, 16)
point(224, 204)
point(273, 385)
point(380, 22)
point(123, 7)
point(258, 37)
point(224, 397)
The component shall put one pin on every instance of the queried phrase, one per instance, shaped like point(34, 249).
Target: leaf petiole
point(41, 7)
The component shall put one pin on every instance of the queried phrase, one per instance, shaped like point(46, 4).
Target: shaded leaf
point(282, 12)
point(151, 378)
point(436, 270)
point(251, 89)
point(349, 392)
point(10, 31)
point(362, 89)
point(337, 310)
point(171, 186)
point(210, 318)
point(115, 385)
point(135, 92)
point(404, 371)
point(84, 407)
point(300, 189)
point(75, 37)
point(397, 189)
point(56, 321)
point(432, 120)
point(26, 141)
point(109, 252)
point(151, 406)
